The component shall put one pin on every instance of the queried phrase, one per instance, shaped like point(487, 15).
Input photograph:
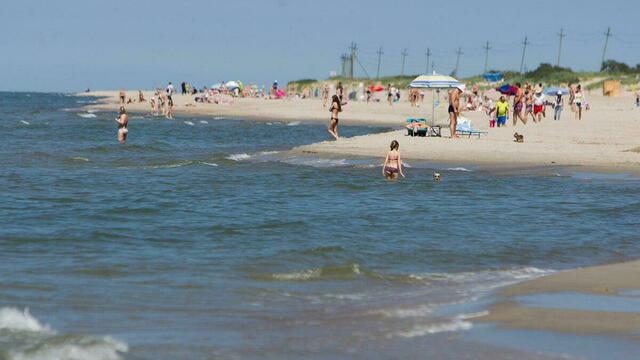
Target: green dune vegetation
point(545, 73)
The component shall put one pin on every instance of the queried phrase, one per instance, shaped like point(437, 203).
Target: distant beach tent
point(232, 85)
point(434, 81)
point(492, 76)
point(507, 89)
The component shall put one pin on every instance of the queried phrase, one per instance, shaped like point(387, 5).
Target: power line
point(561, 36)
point(524, 50)
point(428, 53)
point(404, 54)
point(607, 35)
point(362, 67)
point(486, 56)
point(379, 52)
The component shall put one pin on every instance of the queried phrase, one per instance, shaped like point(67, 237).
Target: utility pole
point(486, 56)
point(524, 50)
point(404, 54)
point(353, 49)
point(428, 53)
point(607, 35)
point(379, 52)
point(458, 53)
point(345, 61)
point(561, 36)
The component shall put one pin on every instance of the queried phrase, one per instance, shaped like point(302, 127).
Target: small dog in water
point(518, 138)
point(436, 176)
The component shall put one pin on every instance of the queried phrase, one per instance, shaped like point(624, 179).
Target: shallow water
point(203, 237)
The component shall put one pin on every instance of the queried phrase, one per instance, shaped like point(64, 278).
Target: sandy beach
point(606, 139)
point(595, 300)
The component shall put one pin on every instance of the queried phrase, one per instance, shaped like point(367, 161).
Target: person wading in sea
point(392, 166)
point(454, 108)
point(123, 121)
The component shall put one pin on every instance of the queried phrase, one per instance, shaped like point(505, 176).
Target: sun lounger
point(425, 131)
point(464, 128)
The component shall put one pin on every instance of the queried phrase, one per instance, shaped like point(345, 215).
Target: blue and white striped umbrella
point(434, 82)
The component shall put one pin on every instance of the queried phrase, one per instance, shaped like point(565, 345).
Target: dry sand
point(607, 138)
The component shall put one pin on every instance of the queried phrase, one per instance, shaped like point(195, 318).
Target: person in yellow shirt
point(502, 112)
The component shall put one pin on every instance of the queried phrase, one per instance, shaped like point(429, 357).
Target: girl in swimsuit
point(123, 121)
point(392, 164)
point(336, 107)
point(578, 98)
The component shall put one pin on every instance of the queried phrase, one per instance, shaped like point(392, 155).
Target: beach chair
point(426, 131)
point(464, 128)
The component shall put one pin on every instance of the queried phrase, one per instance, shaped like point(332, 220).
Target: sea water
point(207, 238)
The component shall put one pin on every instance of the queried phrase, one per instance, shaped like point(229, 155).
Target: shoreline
point(600, 142)
point(599, 300)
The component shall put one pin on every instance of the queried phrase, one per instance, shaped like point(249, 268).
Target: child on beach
point(392, 166)
point(538, 106)
point(336, 107)
point(502, 112)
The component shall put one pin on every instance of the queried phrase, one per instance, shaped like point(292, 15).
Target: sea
point(208, 238)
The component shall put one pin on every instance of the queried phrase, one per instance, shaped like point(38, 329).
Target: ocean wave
point(87, 115)
point(406, 312)
point(203, 122)
point(238, 157)
point(189, 123)
point(16, 320)
point(208, 164)
point(293, 123)
point(316, 162)
point(346, 271)
point(29, 339)
point(79, 158)
point(25, 122)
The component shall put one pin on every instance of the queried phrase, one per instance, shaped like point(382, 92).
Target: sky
point(71, 45)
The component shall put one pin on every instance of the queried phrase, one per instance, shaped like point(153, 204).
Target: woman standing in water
point(122, 121)
point(392, 163)
point(336, 107)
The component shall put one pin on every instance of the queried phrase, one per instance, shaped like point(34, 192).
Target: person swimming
point(392, 166)
point(123, 121)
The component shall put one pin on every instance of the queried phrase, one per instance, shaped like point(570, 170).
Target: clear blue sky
point(69, 45)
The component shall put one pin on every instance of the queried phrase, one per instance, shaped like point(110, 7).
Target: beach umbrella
point(434, 81)
point(507, 89)
point(554, 91)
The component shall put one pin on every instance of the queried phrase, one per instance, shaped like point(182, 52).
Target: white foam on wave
point(401, 313)
point(218, 117)
point(209, 164)
point(458, 169)
point(293, 123)
point(25, 122)
point(16, 320)
point(203, 122)
point(263, 153)
point(189, 123)
point(42, 343)
point(239, 157)
point(298, 275)
point(87, 115)
point(81, 349)
point(428, 329)
point(314, 162)
point(80, 158)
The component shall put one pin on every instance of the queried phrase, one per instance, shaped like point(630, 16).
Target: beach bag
point(492, 122)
